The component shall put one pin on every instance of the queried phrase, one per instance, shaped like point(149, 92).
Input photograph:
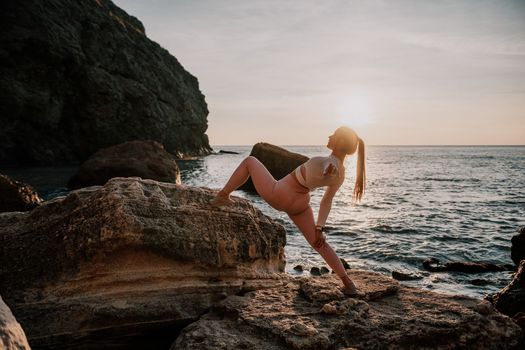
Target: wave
point(446, 179)
point(390, 229)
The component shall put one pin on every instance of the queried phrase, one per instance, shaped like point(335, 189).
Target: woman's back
point(314, 169)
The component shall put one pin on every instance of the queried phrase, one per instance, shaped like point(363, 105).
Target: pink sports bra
point(315, 167)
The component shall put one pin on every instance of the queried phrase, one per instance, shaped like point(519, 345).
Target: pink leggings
point(288, 196)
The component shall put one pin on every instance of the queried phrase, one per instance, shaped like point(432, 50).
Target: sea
point(453, 203)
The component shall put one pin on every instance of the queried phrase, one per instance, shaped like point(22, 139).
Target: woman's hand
point(330, 170)
point(320, 238)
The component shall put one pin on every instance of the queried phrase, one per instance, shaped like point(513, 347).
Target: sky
point(397, 72)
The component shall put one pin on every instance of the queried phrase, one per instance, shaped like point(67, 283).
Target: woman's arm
point(326, 204)
point(324, 210)
point(329, 169)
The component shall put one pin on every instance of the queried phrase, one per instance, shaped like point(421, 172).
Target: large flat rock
point(119, 262)
point(308, 313)
point(372, 285)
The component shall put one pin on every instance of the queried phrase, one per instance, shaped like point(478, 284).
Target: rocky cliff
point(76, 76)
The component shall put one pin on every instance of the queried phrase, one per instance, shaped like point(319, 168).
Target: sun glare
point(355, 110)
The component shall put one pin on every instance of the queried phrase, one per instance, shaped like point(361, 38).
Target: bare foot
point(349, 287)
point(221, 200)
point(349, 291)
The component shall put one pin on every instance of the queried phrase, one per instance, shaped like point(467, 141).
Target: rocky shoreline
point(311, 313)
point(118, 265)
point(132, 258)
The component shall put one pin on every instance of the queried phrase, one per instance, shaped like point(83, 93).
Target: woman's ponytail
point(360, 178)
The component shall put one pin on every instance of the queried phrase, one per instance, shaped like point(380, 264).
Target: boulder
point(12, 336)
point(128, 264)
point(346, 265)
point(77, 76)
point(511, 299)
point(325, 269)
point(146, 159)
point(314, 270)
point(298, 268)
point(17, 196)
point(279, 162)
point(312, 313)
point(517, 252)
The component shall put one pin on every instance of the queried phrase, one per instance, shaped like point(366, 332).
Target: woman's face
point(331, 141)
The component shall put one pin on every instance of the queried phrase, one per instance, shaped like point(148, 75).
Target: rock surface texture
point(130, 263)
point(279, 162)
point(16, 195)
point(145, 159)
point(312, 313)
point(77, 76)
point(12, 336)
point(511, 299)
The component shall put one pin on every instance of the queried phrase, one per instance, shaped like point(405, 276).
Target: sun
point(355, 110)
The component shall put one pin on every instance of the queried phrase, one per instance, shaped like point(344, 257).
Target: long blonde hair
point(349, 142)
point(360, 178)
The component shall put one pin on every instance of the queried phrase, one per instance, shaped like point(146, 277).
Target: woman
point(291, 194)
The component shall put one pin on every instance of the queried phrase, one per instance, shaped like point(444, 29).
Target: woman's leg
point(306, 223)
point(263, 181)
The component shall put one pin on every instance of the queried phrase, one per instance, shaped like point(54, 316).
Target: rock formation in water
point(12, 336)
point(16, 195)
point(312, 313)
point(145, 159)
point(517, 252)
point(511, 299)
point(77, 76)
point(279, 161)
point(131, 261)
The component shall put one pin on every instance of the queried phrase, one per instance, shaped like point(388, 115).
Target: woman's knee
point(253, 164)
point(251, 159)
point(262, 179)
point(247, 160)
